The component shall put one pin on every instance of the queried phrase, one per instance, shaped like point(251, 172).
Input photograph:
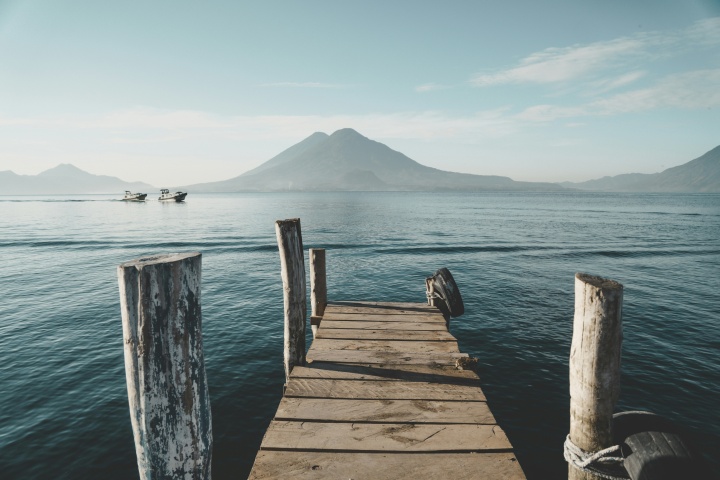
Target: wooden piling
point(164, 366)
point(318, 281)
point(292, 263)
point(318, 286)
point(594, 365)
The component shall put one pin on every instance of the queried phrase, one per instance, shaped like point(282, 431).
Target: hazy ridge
point(348, 161)
point(65, 179)
point(701, 175)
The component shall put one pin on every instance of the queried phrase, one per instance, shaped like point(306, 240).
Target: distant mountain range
point(348, 161)
point(701, 175)
point(65, 179)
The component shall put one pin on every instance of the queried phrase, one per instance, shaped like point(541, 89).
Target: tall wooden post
point(318, 286)
point(292, 263)
point(164, 366)
point(594, 365)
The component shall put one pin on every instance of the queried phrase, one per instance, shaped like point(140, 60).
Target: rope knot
point(599, 463)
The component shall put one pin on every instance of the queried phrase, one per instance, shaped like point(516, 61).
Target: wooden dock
point(381, 397)
point(384, 391)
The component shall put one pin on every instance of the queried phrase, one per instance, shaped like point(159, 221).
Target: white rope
point(598, 463)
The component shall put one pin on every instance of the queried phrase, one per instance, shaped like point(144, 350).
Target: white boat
point(134, 197)
point(166, 196)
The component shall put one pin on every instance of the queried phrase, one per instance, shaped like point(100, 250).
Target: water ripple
point(514, 257)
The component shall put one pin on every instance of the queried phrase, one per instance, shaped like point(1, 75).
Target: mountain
point(290, 153)
point(65, 179)
point(701, 175)
point(348, 161)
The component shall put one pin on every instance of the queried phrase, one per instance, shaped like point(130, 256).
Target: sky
point(180, 92)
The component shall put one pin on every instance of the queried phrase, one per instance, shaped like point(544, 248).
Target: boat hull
point(136, 198)
point(176, 197)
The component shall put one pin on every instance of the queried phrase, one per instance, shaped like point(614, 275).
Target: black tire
point(629, 423)
point(673, 456)
point(449, 293)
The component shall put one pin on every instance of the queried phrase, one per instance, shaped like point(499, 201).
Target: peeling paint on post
point(594, 365)
point(164, 366)
point(292, 263)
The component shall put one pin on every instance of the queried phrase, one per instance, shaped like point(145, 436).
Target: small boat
point(166, 196)
point(134, 197)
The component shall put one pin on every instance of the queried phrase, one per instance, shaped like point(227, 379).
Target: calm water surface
point(63, 404)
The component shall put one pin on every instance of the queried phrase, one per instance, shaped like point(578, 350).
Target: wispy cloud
point(564, 64)
point(302, 85)
point(704, 32)
point(548, 113)
point(686, 91)
point(612, 83)
point(144, 124)
point(690, 90)
point(429, 87)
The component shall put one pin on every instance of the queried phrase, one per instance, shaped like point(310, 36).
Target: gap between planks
point(408, 373)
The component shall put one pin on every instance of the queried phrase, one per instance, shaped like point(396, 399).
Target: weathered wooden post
point(594, 365)
point(164, 366)
point(318, 287)
point(292, 263)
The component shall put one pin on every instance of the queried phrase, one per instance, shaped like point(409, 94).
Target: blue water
point(63, 404)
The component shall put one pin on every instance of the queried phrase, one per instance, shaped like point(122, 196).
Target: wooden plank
point(369, 304)
point(373, 389)
point(354, 356)
point(388, 437)
point(364, 325)
point(379, 307)
point(385, 466)
point(384, 317)
point(382, 334)
point(433, 311)
point(386, 346)
point(384, 411)
point(408, 373)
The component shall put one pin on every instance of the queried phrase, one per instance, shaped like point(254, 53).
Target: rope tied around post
point(431, 295)
point(598, 463)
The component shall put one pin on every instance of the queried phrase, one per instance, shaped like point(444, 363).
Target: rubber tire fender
point(448, 291)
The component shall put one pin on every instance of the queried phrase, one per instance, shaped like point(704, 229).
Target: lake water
point(63, 401)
